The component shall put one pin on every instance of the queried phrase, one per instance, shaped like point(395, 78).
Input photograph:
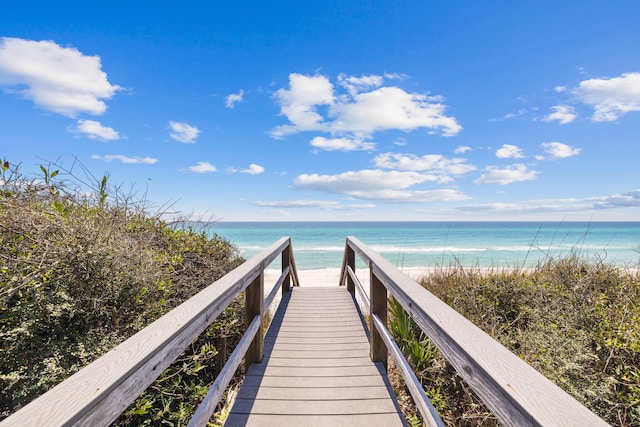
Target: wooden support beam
point(286, 263)
point(254, 299)
point(378, 294)
point(351, 262)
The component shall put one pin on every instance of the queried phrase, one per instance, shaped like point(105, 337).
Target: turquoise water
point(320, 245)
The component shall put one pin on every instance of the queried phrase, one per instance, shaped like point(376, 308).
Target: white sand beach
point(331, 276)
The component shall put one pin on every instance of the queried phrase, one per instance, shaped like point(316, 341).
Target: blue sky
point(334, 110)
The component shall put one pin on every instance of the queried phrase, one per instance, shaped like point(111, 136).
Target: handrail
point(358, 286)
point(97, 394)
point(514, 391)
point(426, 408)
point(208, 405)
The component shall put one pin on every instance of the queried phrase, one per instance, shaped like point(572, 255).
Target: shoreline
point(331, 276)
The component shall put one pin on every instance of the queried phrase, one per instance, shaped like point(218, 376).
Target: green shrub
point(575, 321)
point(82, 269)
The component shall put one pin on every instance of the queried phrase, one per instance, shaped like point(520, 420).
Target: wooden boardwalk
point(316, 369)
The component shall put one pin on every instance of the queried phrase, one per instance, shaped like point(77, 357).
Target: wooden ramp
point(316, 369)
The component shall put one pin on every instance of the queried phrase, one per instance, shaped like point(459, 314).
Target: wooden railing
point(515, 392)
point(99, 393)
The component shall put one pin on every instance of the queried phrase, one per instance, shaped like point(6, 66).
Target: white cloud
point(508, 175)
point(379, 185)
point(430, 162)
point(253, 169)
point(509, 151)
point(558, 150)
point(358, 84)
point(391, 108)
point(95, 130)
point(358, 112)
point(183, 132)
point(533, 206)
point(233, 99)
point(461, 149)
point(411, 196)
point(202, 167)
point(563, 114)
point(520, 113)
point(361, 181)
point(630, 199)
point(55, 78)
point(610, 97)
point(125, 159)
point(299, 103)
point(315, 204)
point(625, 200)
point(400, 142)
point(341, 144)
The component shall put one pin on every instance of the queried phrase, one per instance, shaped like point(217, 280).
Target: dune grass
point(83, 266)
point(576, 321)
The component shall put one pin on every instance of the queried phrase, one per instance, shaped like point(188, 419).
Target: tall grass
point(83, 266)
point(576, 321)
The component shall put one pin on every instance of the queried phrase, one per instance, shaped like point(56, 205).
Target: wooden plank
point(313, 393)
point(328, 313)
point(315, 354)
point(353, 406)
point(321, 348)
point(321, 340)
point(312, 382)
point(306, 382)
point(316, 369)
point(344, 332)
point(316, 362)
point(265, 420)
point(294, 329)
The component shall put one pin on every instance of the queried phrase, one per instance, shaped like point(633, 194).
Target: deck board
point(316, 370)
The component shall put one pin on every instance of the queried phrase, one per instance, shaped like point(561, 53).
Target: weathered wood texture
point(208, 405)
point(515, 392)
point(97, 394)
point(378, 307)
point(316, 369)
point(429, 414)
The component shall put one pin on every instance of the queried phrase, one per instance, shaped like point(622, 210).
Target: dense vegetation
point(575, 321)
point(83, 267)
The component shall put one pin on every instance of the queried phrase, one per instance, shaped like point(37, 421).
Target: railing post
point(254, 300)
point(378, 295)
point(286, 262)
point(351, 262)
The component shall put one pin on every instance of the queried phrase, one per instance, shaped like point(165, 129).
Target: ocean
point(320, 245)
